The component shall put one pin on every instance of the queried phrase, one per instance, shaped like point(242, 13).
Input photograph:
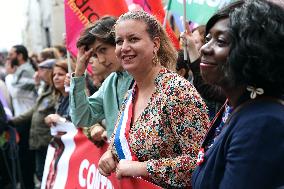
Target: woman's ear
point(157, 42)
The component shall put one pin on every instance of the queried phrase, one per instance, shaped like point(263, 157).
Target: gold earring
point(155, 59)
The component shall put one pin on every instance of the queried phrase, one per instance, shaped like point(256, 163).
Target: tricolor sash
point(121, 139)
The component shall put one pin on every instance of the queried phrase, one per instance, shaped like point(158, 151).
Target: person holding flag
point(163, 118)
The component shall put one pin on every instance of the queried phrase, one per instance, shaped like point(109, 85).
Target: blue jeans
point(40, 155)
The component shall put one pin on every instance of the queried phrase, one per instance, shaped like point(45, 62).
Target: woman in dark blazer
point(244, 54)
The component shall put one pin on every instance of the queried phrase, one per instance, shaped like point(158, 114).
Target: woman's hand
point(128, 168)
point(67, 80)
point(98, 133)
point(107, 163)
point(52, 119)
point(83, 58)
point(36, 78)
point(187, 40)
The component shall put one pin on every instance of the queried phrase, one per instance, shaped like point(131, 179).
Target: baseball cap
point(47, 63)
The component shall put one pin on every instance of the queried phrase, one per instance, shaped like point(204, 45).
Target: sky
point(12, 22)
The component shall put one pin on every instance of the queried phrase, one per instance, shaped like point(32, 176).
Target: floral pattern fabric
point(169, 131)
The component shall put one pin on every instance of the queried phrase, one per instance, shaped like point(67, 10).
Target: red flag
point(79, 13)
point(155, 7)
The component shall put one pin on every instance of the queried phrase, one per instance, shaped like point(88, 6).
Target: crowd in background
point(211, 120)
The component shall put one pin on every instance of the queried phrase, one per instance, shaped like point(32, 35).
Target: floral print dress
point(169, 131)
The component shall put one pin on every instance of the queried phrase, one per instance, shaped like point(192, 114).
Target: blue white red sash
point(121, 139)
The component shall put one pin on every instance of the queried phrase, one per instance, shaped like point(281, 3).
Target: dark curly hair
point(21, 49)
point(257, 49)
point(102, 30)
point(222, 14)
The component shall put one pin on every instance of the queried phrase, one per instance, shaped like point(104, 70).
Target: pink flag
point(79, 13)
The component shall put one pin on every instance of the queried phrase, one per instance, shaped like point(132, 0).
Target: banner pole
point(69, 63)
point(67, 88)
point(185, 30)
point(167, 13)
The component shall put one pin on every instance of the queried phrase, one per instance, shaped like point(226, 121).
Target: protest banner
point(198, 11)
point(72, 162)
point(80, 13)
point(155, 7)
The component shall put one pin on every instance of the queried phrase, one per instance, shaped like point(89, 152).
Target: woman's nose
point(101, 59)
point(206, 48)
point(125, 46)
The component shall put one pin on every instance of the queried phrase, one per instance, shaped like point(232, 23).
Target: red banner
point(72, 162)
point(155, 7)
point(79, 13)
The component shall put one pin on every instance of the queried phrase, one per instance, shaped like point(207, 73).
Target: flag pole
point(185, 30)
point(167, 13)
point(67, 88)
point(69, 63)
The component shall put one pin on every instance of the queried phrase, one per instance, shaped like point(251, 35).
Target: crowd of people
point(215, 120)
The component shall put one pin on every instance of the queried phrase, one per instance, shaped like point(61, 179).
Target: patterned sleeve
point(188, 121)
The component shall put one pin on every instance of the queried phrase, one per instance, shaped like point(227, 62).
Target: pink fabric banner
point(73, 26)
point(79, 13)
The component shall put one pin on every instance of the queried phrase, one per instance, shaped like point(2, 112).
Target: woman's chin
point(128, 66)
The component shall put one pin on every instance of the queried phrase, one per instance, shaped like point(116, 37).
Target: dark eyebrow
point(219, 32)
point(98, 47)
point(128, 35)
point(224, 31)
point(131, 35)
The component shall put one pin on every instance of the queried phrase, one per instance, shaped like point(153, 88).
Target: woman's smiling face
point(214, 53)
point(59, 75)
point(134, 47)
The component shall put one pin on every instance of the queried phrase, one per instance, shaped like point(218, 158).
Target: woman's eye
point(134, 39)
point(221, 42)
point(102, 50)
point(118, 42)
point(207, 39)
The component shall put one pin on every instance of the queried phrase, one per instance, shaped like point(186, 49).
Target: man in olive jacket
point(39, 132)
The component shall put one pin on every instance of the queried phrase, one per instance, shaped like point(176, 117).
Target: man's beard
point(14, 62)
